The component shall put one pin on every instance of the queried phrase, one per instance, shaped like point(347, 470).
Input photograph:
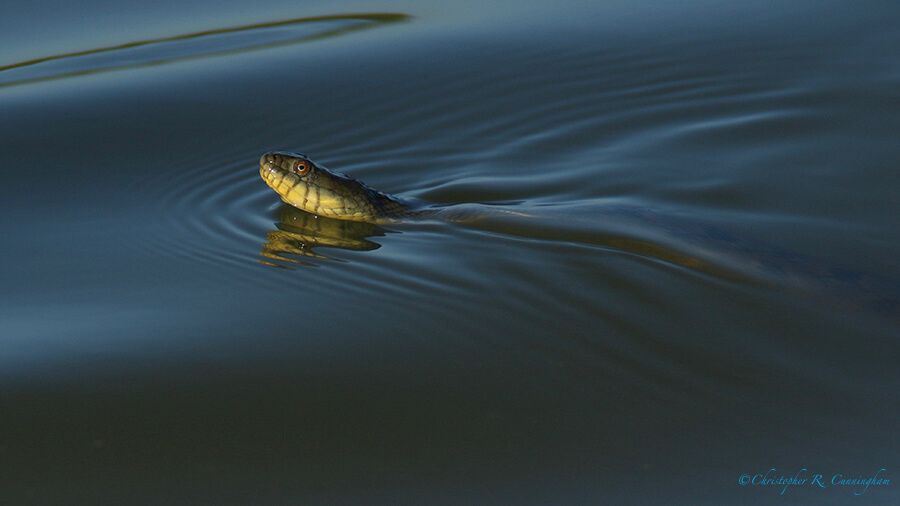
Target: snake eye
point(300, 168)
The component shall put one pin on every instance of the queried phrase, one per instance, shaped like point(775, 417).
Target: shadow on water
point(204, 44)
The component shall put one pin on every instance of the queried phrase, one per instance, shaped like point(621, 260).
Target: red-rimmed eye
point(301, 168)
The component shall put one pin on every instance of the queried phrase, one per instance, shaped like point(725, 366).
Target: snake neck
point(387, 207)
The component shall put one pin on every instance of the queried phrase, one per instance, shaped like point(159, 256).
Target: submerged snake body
point(312, 188)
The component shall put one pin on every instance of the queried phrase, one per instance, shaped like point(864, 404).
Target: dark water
point(704, 284)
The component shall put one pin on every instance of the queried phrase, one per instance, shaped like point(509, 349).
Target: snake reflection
point(298, 232)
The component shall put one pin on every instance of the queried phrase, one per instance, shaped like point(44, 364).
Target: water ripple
point(211, 211)
point(204, 44)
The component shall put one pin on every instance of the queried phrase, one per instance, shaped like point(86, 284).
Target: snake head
point(283, 162)
point(312, 188)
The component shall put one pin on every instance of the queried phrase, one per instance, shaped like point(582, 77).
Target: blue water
point(694, 277)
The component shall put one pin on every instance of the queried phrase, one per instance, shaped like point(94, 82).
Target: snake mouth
point(271, 169)
point(267, 162)
point(275, 169)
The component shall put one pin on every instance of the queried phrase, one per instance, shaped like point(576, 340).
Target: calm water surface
point(698, 280)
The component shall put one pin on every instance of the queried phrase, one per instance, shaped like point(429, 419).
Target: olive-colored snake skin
point(312, 188)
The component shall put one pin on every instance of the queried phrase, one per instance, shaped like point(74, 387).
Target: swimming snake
point(318, 191)
point(311, 187)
